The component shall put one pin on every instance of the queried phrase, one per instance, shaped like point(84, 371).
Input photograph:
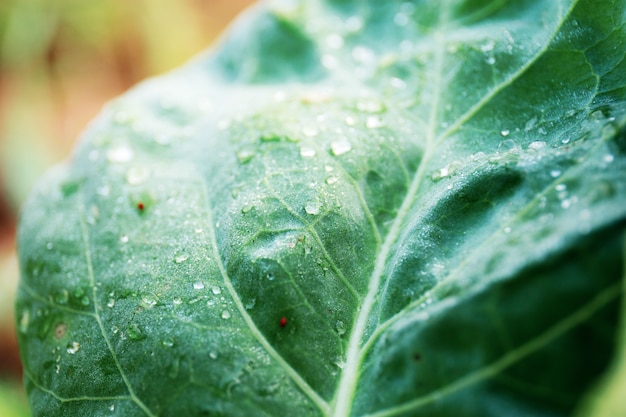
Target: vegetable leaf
point(349, 208)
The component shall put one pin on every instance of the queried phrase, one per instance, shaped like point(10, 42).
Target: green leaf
point(349, 208)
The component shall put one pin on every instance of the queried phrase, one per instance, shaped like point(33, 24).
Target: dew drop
point(374, 122)
point(354, 24)
point(111, 303)
point(307, 152)
point(505, 133)
point(179, 259)
point(213, 355)
point(401, 19)
point(250, 304)
point(312, 207)
point(507, 230)
point(135, 332)
point(177, 301)
point(536, 145)
point(24, 321)
point(334, 41)
point(120, 154)
point(112, 407)
point(340, 147)
point(169, 342)
point(310, 131)
point(124, 238)
point(62, 297)
point(216, 290)
point(370, 106)
point(137, 175)
point(245, 155)
point(491, 60)
point(225, 314)
point(332, 180)
point(340, 327)
point(608, 158)
point(555, 173)
point(198, 285)
point(73, 347)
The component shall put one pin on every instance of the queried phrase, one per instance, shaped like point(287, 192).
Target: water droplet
point(24, 321)
point(135, 332)
point(198, 285)
point(250, 304)
point(169, 342)
point(350, 121)
point(340, 327)
point(245, 155)
point(179, 259)
point(111, 303)
point(505, 133)
point(565, 204)
point(270, 276)
point(120, 154)
point(115, 329)
point(491, 60)
point(363, 55)
point(608, 158)
point(310, 131)
point(62, 297)
point(565, 141)
point(73, 347)
point(374, 122)
point(334, 41)
point(137, 175)
point(312, 207)
point(112, 407)
point(177, 301)
point(401, 19)
point(370, 106)
point(354, 24)
point(148, 301)
point(340, 147)
point(307, 152)
point(247, 208)
point(85, 301)
point(530, 124)
point(555, 173)
point(329, 61)
point(332, 180)
point(225, 314)
point(216, 290)
point(507, 230)
point(213, 354)
point(561, 187)
point(124, 238)
point(536, 145)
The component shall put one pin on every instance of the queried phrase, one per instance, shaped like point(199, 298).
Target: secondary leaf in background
point(348, 208)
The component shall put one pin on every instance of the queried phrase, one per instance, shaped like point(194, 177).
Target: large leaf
point(367, 208)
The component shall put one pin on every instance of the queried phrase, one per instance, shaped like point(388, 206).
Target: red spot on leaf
point(140, 206)
point(283, 321)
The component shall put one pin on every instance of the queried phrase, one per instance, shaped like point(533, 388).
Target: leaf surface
point(346, 209)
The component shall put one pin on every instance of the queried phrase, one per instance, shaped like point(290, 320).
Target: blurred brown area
point(60, 61)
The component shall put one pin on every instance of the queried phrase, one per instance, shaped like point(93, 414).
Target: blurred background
point(60, 61)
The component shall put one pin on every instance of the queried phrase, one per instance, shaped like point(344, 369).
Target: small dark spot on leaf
point(417, 357)
point(60, 330)
point(140, 206)
point(283, 321)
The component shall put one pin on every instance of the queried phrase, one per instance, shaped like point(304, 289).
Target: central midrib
point(342, 404)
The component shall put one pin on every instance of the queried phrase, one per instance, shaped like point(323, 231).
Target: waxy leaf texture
point(347, 208)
